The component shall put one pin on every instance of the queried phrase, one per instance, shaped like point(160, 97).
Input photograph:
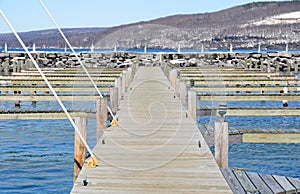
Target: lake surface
point(37, 156)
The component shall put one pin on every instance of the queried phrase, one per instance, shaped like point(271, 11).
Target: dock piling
point(173, 77)
point(101, 116)
point(192, 103)
point(79, 148)
point(113, 99)
point(296, 68)
point(183, 92)
point(221, 143)
point(289, 67)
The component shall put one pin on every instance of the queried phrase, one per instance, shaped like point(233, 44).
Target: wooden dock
point(250, 135)
point(156, 147)
point(242, 182)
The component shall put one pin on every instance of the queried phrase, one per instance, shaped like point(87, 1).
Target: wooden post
point(124, 74)
point(256, 65)
point(128, 77)
point(6, 66)
point(221, 143)
point(27, 64)
point(173, 77)
point(183, 92)
point(14, 64)
point(289, 67)
point(101, 116)
point(250, 63)
point(17, 102)
point(192, 103)
point(262, 86)
point(177, 85)
point(277, 66)
point(285, 103)
point(269, 66)
point(33, 102)
point(118, 84)
point(79, 148)
point(261, 65)
point(21, 65)
point(113, 98)
point(296, 67)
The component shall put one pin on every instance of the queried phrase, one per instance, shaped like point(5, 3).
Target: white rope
point(73, 51)
point(48, 83)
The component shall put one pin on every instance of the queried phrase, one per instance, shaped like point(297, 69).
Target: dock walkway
point(156, 147)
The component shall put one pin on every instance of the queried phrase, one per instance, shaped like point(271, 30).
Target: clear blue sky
point(28, 15)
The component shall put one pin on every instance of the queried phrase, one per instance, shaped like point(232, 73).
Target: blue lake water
point(36, 156)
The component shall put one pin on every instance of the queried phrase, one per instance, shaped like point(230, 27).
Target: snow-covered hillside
point(288, 18)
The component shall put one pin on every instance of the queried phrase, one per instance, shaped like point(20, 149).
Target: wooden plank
point(232, 181)
point(225, 74)
point(45, 97)
point(72, 88)
point(235, 78)
point(248, 111)
point(67, 74)
point(69, 78)
point(296, 183)
point(240, 82)
point(285, 184)
point(244, 180)
point(272, 183)
point(154, 148)
point(248, 97)
point(215, 89)
point(78, 81)
point(41, 115)
point(259, 183)
point(271, 138)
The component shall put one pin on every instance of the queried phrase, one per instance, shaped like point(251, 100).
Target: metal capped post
point(221, 138)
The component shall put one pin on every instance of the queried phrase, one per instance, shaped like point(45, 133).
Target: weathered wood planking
point(74, 70)
point(238, 78)
point(48, 97)
point(75, 81)
point(285, 184)
point(248, 182)
point(248, 97)
point(233, 182)
point(246, 88)
point(221, 81)
point(259, 183)
point(250, 111)
point(155, 148)
point(43, 115)
point(71, 79)
point(56, 88)
point(272, 137)
point(245, 181)
point(253, 135)
point(68, 74)
point(244, 74)
point(296, 183)
point(272, 183)
point(60, 76)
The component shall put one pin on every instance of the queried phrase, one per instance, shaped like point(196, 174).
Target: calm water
point(37, 156)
